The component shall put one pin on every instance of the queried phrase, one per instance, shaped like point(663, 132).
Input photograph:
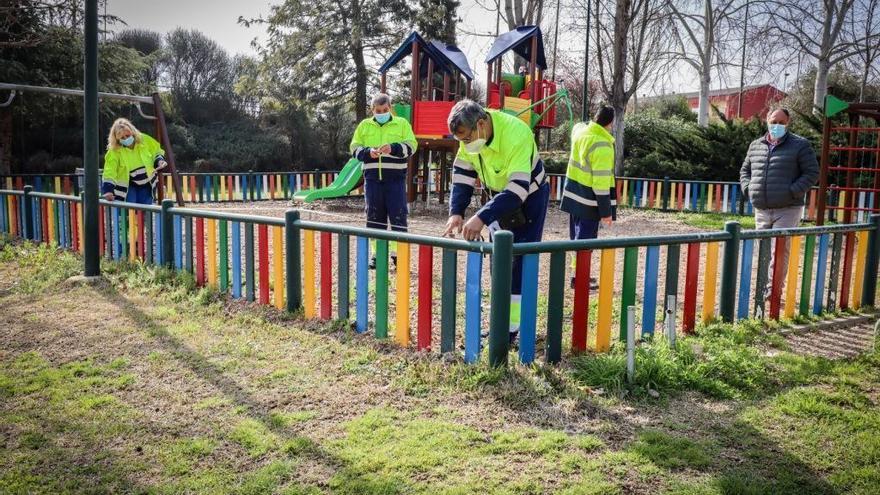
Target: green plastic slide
point(347, 179)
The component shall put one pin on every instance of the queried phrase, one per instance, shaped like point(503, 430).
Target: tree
point(635, 34)
point(437, 19)
point(825, 35)
point(866, 23)
point(519, 13)
point(320, 50)
point(200, 75)
point(700, 29)
point(150, 45)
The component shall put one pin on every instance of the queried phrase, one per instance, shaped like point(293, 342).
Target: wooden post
point(169, 152)
point(457, 93)
point(498, 80)
point(445, 86)
point(533, 66)
point(468, 89)
point(414, 95)
point(823, 171)
point(430, 80)
point(488, 83)
point(383, 82)
point(851, 163)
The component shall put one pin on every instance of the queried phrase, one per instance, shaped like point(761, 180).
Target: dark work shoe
point(373, 263)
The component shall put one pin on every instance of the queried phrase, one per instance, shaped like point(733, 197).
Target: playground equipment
point(158, 118)
point(529, 95)
point(849, 181)
point(440, 76)
point(347, 179)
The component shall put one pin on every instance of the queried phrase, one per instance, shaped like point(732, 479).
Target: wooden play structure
point(849, 182)
point(525, 94)
point(440, 77)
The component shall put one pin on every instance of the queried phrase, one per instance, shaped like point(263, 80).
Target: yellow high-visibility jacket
point(589, 180)
point(135, 165)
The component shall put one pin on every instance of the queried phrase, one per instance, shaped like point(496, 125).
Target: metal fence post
point(728, 272)
point(666, 192)
point(294, 261)
point(499, 315)
point(250, 185)
point(167, 233)
point(670, 320)
point(28, 220)
point(869, 287)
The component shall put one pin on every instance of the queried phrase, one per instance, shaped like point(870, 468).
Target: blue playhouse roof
point(447, 58)
point(519, 40)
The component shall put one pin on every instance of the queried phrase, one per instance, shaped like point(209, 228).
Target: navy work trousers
point(386, 203)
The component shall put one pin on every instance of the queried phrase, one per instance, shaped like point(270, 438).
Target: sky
point(218, 19)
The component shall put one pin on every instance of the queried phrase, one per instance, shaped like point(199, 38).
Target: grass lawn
point(146, 384)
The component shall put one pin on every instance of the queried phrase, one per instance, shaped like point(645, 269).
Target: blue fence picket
point(745, 281)
point(821, 268)
point(649, 308)
point(528, 309)
point(472, 308)
point(236, 260)
point(362, 284)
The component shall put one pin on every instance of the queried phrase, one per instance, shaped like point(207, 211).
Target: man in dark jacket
point(777, 173)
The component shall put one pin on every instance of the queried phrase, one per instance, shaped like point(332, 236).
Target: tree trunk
point(618, 92)
point(820, 89)
point(618, 130)
point(864, 83)
point(357, 55)
point(705, 82)
point(706, 63)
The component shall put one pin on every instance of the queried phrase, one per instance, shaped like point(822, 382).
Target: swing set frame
point(136, 101)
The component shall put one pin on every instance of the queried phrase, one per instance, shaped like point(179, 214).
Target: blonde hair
point(118, 126)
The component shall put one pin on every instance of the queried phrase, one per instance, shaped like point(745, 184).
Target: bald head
point(779, 116)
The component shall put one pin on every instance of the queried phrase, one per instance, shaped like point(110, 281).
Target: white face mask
point(476, 145)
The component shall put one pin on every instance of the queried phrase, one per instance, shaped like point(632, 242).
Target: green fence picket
point(628, 298)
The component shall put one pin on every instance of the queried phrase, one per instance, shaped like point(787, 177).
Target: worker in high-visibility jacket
point(384, 144)
point(590, 196)
point(499, 150)
point(130, 164)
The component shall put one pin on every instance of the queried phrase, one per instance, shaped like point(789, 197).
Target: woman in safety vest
point(130, 165)
point(500, 150)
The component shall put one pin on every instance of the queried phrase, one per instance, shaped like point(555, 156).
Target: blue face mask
point(382, 117)
point(127, 141)
point(776, 130)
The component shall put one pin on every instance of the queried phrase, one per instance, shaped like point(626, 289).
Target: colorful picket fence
point(660, 194)
point(197, 187)
point(295, 265)
point(689, 196)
